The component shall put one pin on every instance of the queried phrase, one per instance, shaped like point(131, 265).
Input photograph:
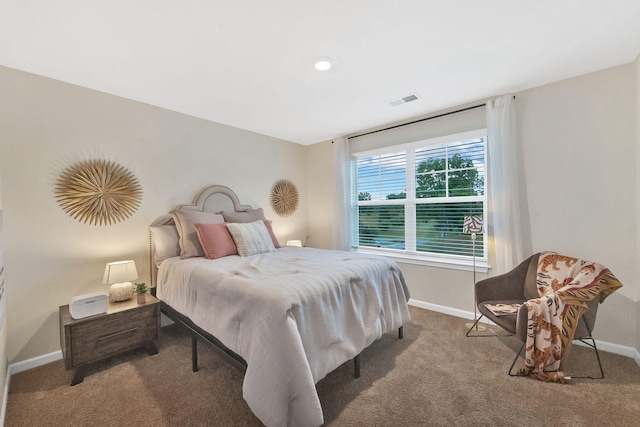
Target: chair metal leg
point(356, 366)
point(473, 326)
point(515, 360)
point(595, 349)
point(592, 345)
point(500, 332)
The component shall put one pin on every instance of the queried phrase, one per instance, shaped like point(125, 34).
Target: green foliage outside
point(381, 226)
point(463, 178)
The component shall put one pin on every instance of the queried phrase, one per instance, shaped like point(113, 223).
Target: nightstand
point(125, 326)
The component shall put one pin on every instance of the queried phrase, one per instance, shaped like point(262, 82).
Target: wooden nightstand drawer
point(113, 334)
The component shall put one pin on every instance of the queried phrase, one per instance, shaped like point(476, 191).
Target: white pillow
point(251, 238)
point(165, 242)
point(185, 223)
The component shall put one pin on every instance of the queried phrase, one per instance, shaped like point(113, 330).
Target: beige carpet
point(435, 376)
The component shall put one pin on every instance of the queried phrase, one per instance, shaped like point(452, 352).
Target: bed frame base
point(196, 332)
point(228, 355)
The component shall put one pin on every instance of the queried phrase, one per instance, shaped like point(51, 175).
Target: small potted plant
point(141, 290)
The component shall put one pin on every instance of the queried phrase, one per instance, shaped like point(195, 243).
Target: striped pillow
point(251, 238)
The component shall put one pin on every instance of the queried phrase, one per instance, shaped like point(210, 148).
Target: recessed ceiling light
point(323, 64)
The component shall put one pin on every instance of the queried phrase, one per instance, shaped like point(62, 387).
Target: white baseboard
point(447, 310)
point(602, 345)
point(34, 362)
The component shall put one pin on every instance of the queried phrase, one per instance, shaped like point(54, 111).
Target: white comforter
point(294, 315)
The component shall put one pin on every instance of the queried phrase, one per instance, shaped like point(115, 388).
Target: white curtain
point(502, 175)
point(343, 209)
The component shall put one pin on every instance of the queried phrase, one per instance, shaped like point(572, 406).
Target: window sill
point(451, 262)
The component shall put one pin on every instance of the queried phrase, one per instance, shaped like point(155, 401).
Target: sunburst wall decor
point(98, 192)
point(284, 198)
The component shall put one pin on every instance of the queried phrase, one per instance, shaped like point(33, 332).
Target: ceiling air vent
point(404, 99)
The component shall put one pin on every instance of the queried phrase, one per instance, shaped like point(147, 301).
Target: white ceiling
point(249, 63)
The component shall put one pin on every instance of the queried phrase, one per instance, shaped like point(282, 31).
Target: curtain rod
point(420, 120)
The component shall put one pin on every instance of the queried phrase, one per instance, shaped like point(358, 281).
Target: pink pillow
point(216, 240)
point(273, 236)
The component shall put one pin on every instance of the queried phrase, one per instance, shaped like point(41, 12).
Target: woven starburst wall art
point(98, 192)
point(284, 198)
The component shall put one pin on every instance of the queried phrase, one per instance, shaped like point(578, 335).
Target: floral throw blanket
point(565, 285)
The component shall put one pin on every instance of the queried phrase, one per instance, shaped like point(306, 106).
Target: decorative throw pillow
point(248, 216)
point(216, 240)
point(251, 238)
point(185, 223)
point(251, 216)
point(165, 242)
point(276, 244)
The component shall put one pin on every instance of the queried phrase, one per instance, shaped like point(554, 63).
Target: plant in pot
point(141, 290)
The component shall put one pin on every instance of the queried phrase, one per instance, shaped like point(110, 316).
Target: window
point(412, 199)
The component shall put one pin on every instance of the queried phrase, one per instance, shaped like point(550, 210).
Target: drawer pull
point(117, 334)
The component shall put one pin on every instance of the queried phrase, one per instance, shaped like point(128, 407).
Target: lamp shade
point(119, 272)
point(472, 224)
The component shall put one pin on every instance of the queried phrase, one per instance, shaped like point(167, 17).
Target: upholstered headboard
point(163, 235)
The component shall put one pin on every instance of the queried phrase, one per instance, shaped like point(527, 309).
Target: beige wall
point(637, 260)
point(320, 191)
point(3, 308)
point(45, 125)
point(577, 140)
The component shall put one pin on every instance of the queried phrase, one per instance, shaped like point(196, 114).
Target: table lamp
point(119, 275)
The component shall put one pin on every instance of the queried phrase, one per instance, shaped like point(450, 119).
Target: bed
point(286, 316)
